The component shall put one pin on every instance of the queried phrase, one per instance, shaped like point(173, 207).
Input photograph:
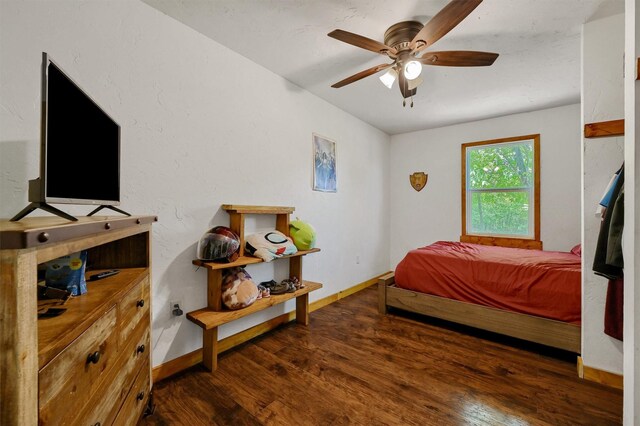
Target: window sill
point(502, 242)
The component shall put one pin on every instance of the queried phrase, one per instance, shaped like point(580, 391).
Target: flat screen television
point(80, 148)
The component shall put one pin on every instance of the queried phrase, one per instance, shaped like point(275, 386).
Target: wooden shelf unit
point(215, 315)
point(97, 353)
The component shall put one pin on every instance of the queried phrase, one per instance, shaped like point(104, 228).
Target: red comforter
point(534, 282)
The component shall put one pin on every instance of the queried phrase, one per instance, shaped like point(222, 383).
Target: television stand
point(44, 206)
point(108, 207)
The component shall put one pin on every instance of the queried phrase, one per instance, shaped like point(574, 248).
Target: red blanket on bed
point(534, 282)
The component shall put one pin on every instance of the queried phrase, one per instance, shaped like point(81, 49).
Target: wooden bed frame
point(545, 331)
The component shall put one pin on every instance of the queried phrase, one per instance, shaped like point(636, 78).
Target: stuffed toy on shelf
point(303, 234)
point(238, 288)
point(269, 245)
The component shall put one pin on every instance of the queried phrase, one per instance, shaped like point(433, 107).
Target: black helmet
point(219, 243)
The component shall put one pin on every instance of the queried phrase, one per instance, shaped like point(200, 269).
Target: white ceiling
point(538, 42)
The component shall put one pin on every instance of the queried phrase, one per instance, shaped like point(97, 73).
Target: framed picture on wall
point(324, 164)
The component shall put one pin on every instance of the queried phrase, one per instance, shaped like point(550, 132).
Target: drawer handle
point(93, 358)
point(140, 303)
point(140, 349)
point(140, 396)
point(97, 424)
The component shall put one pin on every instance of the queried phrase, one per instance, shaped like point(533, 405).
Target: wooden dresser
point(90, 365)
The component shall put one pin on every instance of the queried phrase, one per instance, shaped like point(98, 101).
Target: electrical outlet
point(175, 308)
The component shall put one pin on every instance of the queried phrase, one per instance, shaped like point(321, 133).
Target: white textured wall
point(421, 218)
point(201, 126)
point(602, 100)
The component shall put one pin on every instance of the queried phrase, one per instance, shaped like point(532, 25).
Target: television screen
point(81, 143)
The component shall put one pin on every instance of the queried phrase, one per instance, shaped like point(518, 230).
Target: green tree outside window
point(500, 188)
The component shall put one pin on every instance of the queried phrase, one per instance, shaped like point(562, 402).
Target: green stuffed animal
point(302, 234)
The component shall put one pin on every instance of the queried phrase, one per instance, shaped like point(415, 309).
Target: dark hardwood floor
point(353, 366)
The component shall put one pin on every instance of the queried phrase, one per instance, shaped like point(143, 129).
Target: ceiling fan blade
point(403, 83)
point(443, 22)
point(361, 75)
point(362, 42)
point(459, 58)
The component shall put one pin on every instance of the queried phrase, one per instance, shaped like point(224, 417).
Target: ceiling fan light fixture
point(412, 84)
point(389, 77)
point(412, 70)
point(404, 43)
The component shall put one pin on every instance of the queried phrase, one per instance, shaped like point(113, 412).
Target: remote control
point(102, 275)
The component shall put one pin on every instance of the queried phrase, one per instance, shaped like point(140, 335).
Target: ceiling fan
point(405, 41)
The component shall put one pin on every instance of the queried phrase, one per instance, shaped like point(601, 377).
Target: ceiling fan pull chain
point(404, 102)
point(411, 101)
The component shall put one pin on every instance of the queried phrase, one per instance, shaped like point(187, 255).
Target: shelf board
point(247, 260)
point(208, 318)
point(604, 129)
point(234, 208)
point(55, 333)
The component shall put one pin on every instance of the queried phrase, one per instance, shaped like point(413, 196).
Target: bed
point(533, 295)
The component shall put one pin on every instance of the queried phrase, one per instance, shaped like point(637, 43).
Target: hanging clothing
point(600, 265)
point(613, 324)
point(606, 195)
point(616, 226)
point(606, 198)
point(608, 260)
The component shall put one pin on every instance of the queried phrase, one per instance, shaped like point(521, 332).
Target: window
point(501, 192)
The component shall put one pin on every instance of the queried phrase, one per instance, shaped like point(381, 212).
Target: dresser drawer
point(133, 306)
point(136, 400)
point(133, 358)
point(67, 382)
